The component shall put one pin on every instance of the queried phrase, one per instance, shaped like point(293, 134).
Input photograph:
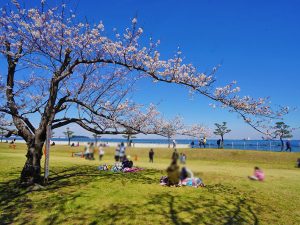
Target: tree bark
point(222, 142)
point(31, 172)
point(282, 144)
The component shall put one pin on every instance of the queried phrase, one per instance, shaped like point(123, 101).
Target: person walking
point(151, 155)
point(288, 146)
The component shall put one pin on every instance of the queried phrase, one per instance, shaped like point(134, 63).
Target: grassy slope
point(79, 194)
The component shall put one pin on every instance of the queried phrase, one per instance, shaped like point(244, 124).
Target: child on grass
point(258, 174)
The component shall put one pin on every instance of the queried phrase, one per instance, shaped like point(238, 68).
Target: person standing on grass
point(204, 142)
point(87, 151)
point(180, 157)
point(151, 155)
point(117, 153)
point(183, 158)
point(175, 155)
point(200, 142)
point(219, 143)
point(92, 150)
point(192, 144)
point(101, 152)
point(288, 146)
point(174, 144)
point(122, 151)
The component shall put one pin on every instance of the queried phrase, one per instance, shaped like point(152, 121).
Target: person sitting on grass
point(173, 173)
point(185, 173)
point(187, 179)
point(126, 162)
point(258, 174)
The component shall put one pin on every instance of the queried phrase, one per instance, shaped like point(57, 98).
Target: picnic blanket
point(191, 182)
point(118, 167)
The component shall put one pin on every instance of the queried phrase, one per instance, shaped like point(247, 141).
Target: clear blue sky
point(257, 42)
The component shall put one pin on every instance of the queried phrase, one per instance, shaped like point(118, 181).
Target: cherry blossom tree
point(59, 71)
point(169, 128)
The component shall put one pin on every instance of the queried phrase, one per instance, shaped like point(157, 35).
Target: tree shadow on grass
point(14, 199)
point(215, 204)
point(168, 208)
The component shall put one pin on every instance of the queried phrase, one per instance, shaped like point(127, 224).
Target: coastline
point(115, 144)
point(209, 145)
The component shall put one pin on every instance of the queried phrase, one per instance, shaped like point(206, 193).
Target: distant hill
point(81, 136)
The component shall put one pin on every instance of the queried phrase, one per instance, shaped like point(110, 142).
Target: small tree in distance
point(96, 136)
point(69, 134)
point(129, 135)
point(221, 130)
point(282, 131)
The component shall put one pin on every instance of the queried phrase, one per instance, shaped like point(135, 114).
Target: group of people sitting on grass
point(180, 177)
point(184, 177)
point(123, 165)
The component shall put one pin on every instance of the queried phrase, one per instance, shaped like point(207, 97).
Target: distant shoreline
point(259, 145)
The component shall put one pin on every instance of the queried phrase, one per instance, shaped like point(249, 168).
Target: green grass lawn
point(79, 194)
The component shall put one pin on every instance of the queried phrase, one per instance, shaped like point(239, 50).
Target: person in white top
point(122, 151)
point(174, 144)
point(87, 151)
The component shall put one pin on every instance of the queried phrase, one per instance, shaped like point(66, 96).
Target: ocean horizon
point(260, 145)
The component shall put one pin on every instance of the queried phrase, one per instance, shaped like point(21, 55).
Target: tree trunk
point(69, 141)
point(222, 142)
point(282, 144)
point(31, 172)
